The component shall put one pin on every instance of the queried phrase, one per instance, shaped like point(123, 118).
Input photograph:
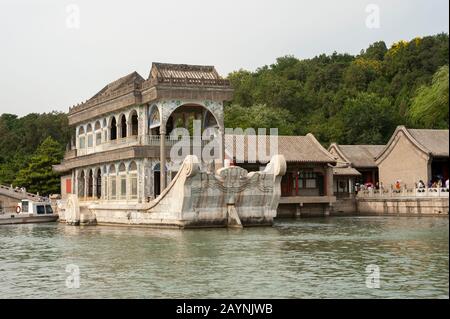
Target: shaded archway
point(123, 126)
point(113, 129)
point(81, 184)
point(134, 123)
point(90, 189)
point(99, 184)
point(184, 115)
point(157, 179)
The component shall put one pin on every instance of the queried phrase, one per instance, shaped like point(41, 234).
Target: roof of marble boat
point(182, 71)
point(120, 83)
point(158, 71)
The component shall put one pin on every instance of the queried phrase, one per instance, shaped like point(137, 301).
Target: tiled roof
point(183, 71)
point(120, 84)
point(304, 149)
point(434, 141)
point(345, 171)
point(361, 155)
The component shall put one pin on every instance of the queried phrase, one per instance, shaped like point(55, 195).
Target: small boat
point(29, 211)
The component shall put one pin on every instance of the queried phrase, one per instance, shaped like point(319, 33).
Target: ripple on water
point(306, 258)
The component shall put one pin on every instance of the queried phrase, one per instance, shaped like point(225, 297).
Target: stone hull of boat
point(230, 197)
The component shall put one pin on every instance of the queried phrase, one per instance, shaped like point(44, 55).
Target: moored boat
point(28, 211)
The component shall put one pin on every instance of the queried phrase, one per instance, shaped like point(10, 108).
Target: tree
point(20, 137)
point(367, 119)
point(315, 90)
point(375, 51)
point(38, 175)
point(242, 83)
point(361, 72)
point(259, 116)
point(430, 105)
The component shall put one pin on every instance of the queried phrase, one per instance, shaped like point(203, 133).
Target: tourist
point(421, 186)
point(398, 186)
point(433, 187)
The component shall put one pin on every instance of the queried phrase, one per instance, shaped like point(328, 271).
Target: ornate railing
point(135, 87)
point(147, 140)
point(404, 192)
point(185, 82)
point(20, 192)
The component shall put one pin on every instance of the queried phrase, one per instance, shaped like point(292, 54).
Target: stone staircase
point(18, 194)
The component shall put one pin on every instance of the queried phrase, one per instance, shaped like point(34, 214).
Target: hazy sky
point(50, 60)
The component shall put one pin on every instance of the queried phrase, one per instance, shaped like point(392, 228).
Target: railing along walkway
point(19, 193)
point(404, 192)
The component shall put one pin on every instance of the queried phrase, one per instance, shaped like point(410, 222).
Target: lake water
point(303, 258)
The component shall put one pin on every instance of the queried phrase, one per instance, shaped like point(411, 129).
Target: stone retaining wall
point(437, 206)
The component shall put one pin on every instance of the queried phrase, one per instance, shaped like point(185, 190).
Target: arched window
point(134, 124)
point(132, 169)
point(113, 132)
point(210, 120)
point(154, 121)
point(98, 133)
point(113, 182)
point(81, 131)
point(90, 137)
point(81, 137)
point(123, 126)
point(123, 181)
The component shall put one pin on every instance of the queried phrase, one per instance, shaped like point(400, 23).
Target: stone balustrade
point(147, 140)
point(404, 192)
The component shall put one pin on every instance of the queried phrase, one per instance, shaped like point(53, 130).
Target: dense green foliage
point(259, 116)
point(38, 176)
point(349, 99)
point(339, 98)
point(20, 139)
point(430, 106)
